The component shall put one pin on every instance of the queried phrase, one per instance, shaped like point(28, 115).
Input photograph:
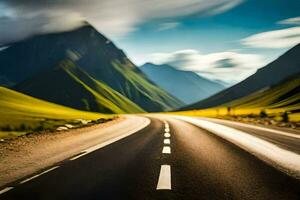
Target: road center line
point(164, 181)
point(166, 150)
point(5, 190)
point(167, 135)
point(35, 176)
point(167, 141)
point(167, 130)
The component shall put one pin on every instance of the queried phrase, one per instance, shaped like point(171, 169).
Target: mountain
point(283, 67)
point(284, 95)
point(94, 53)
point(75, 88)
point(187, 86)
point(21, 113)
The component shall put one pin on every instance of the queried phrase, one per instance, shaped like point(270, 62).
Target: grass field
point(20, 114)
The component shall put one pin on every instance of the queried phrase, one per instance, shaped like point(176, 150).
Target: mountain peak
point(187, 86)
point(94, 53)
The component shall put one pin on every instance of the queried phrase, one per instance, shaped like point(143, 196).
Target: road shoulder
point(27, 155)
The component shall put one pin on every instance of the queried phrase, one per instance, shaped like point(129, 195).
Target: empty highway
point(172, 158)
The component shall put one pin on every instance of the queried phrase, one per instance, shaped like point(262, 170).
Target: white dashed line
point(166, 150)
point(167, 130)
point(5, 190)
point(164, 181)
point(167, 135)
point(167, 141)
point(35, 176)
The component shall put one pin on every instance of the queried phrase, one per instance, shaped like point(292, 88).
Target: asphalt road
point(195, 165)
point(284, 141)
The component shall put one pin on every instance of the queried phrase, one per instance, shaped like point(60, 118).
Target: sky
point(225, 40)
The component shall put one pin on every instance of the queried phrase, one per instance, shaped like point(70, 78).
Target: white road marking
point(167, 135)
point(167, 130)
point(108, 142)
point(167, 141)
point(259, 128)
point(164, 180)
point(5, 190)
point(78, 156)
point(166, 150)
point(167, 125)
point(35, 176)
point(282, 159)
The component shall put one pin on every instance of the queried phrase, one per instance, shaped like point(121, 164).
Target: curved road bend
point(195, 165)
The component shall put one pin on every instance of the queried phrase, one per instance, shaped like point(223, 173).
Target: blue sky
point(212, 33)
point(197, 35)
point(216, 33)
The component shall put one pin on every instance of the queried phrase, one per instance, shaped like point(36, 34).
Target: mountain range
point(187, 86)
point(56, 66)
point(282, 68)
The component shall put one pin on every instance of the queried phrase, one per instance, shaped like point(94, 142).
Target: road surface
point(171, 158)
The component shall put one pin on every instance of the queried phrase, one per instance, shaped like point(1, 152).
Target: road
point(169, 159)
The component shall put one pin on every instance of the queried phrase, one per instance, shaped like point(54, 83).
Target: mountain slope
point(286, 65)
point(285, 95)
point(19, 112)
point(187, 86)
point(94, 53)
point(75, 88)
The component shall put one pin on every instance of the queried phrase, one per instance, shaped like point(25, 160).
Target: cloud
point(168, 25)
point(14, 29)
point(112, 17)
point(227, 66)
point(284, 38)
point(291, 21)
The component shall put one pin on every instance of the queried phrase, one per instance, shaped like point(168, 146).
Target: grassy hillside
point(275, 101)
point(285, 95)
point(75, 88)
point(20, 114)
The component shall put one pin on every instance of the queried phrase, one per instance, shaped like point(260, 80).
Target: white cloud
point(168, 25)
point(291, 21)
point(226, 66)
point(284, 38)
point(112, 17)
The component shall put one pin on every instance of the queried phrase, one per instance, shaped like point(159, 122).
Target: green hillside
point(20, 113)
point(283, 97)
point(67, 84)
